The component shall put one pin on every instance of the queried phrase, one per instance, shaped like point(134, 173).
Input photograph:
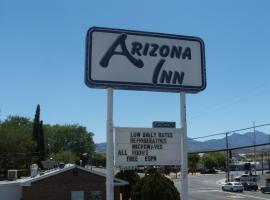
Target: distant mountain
point(101, 147)
point(248, 139)
point(234, 140)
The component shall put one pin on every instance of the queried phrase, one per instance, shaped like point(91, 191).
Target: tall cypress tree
point(36, 126)
point(41, 144)
point(38, 136)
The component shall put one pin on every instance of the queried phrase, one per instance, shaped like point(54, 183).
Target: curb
point(221, 181)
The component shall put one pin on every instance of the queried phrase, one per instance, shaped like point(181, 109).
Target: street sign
point(160, 124)
point(147, 146)
point(135, 60)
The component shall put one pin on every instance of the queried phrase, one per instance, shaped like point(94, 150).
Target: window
point(96, 195)
point(77, 195)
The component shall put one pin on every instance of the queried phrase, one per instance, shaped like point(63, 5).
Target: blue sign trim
point(141, 86)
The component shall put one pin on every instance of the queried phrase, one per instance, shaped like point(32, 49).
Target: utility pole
point(268, 160)
point(254, 149)
point(227, 160)
point(262, 162)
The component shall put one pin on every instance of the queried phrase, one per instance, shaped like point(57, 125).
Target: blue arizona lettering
point(160, 75)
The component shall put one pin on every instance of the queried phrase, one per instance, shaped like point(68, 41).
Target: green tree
point(21, 139)
point(41, 141)
point(193, 160)
point(16, 143)
point(38, 136)
point(36, 126)
point(132, 178)
point(66, 157)
point(209, 162)
point(98, 159)
point(155, 186)
point(220, 158)
point(74, 138)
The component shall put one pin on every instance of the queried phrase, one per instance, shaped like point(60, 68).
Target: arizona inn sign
point(136, 60)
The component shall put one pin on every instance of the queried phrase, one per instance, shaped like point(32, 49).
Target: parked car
point(233, 187)
point(247, 177)
point(250, 186)
point(208, 171)
point(266, 188)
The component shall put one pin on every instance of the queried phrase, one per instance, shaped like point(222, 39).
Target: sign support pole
point(184, 165)
point(109, 151)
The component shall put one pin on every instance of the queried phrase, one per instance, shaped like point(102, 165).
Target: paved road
point(206, 187)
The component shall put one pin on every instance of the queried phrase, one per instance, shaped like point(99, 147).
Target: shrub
point(132, 177)
point(155, 186)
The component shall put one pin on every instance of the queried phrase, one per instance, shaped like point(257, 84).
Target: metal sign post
point(109, 151)
point(184, 164)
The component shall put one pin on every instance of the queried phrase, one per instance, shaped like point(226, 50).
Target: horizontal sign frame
point(129, 85)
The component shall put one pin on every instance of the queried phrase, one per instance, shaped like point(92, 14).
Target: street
point(207, 187)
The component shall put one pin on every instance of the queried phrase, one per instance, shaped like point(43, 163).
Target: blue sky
point(42, 55)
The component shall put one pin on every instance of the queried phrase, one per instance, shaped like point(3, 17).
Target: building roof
point(28, 180)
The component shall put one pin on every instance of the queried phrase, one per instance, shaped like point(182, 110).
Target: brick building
point(69, 183)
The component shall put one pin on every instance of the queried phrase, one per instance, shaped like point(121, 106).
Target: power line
point(229, 132)
point(231, 149)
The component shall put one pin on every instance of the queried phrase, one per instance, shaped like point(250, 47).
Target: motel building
point(69, 183)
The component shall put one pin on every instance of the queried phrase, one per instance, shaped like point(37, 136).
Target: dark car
point(266, 188)
point(250, 186)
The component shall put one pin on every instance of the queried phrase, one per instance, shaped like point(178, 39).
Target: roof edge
point(28, 182)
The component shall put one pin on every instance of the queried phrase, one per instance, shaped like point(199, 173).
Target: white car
point(247, 177)
point(233, 187)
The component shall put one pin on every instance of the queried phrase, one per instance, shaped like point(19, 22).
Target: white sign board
point(147, 146)
point(124, 59)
